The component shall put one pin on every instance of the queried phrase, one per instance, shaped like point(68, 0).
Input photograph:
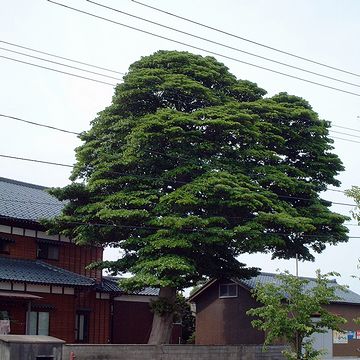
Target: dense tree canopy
point(189, 168)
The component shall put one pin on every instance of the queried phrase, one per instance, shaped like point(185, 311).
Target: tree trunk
point(162, 324)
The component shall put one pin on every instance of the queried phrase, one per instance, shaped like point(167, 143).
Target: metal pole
point(297, 265)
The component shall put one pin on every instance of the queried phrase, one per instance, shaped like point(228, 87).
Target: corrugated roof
point(347, 296)
point(25, 201)
point(39, 272)
point(266, 278)
point(110, 284)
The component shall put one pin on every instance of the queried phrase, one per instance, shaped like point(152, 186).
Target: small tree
point(288, 311)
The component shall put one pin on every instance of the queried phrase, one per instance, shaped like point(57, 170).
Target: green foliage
point(288, 310)
point(162, 306)
point(354, 193)
point(189, 168)
point(308, 352)
point(184, 314)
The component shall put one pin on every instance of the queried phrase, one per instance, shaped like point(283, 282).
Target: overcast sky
point(324, 30)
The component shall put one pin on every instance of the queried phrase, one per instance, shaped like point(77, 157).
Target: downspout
point(27, 332)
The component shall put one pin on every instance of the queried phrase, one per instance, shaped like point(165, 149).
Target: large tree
point(189, 168)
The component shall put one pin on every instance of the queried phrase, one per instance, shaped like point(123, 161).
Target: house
point(221, 319)
point(45, 287)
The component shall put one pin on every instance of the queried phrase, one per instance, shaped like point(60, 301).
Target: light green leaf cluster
point(288, 308)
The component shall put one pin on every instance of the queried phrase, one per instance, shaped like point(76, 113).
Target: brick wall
point(62, 310)
point(99, 316)
point(71, 257)
point(171, 352)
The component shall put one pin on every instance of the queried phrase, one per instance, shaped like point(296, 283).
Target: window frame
point(85, 315)
point(45, 249)
point(227, 285)
point(37, 322)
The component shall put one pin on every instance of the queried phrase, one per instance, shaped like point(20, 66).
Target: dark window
point(39, 323)
point(82, 327)
point(47, 251)
point(4, 315)
point(4, 247)
point(228, 290)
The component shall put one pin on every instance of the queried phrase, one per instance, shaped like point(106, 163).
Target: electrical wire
point(58, 63)
point(342, 133)
point(148, 177)
point(346, 128)
point(339, 138)
point(156, 152)
point(58, 71)
point(205, 50)
point(247, 40)
point(61, 57)
point(78, 133)
point(35, 160)
point(40, 125)
point(228, 217)
point(223, 45)
point(171, 228)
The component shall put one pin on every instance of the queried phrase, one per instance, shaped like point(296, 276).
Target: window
point(228, 290)
point(4, 315)
point(82, 326)
point(47, 251)
point(4, 247)
point(39, 323)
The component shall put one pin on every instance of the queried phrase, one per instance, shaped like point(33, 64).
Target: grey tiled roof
point(265, 278)
point(25, 201)
point(110, 284)
point(39, 272)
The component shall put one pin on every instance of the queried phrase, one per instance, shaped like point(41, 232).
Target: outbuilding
point(221, 319)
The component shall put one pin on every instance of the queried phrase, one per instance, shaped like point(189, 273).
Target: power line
point(58, 71)
point(336, 190)
point(34, 160)
point(344, 127)
point(62, 57)
point(58, 63)
point(204, 50)
point(223, 45)
point(78, 133)
point(247, 40)
point(31, 202)
point(38, 124)
point(229, 217)
point(169, 228)
point(155, 178)
point(342, 133)
point(339, 138)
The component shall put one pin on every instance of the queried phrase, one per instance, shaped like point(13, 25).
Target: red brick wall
point(132, 322)
point(23, 248)
point(62, 315)
point(61, 318)
point(99, 316)
point(71, 257)
point(76, 258)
